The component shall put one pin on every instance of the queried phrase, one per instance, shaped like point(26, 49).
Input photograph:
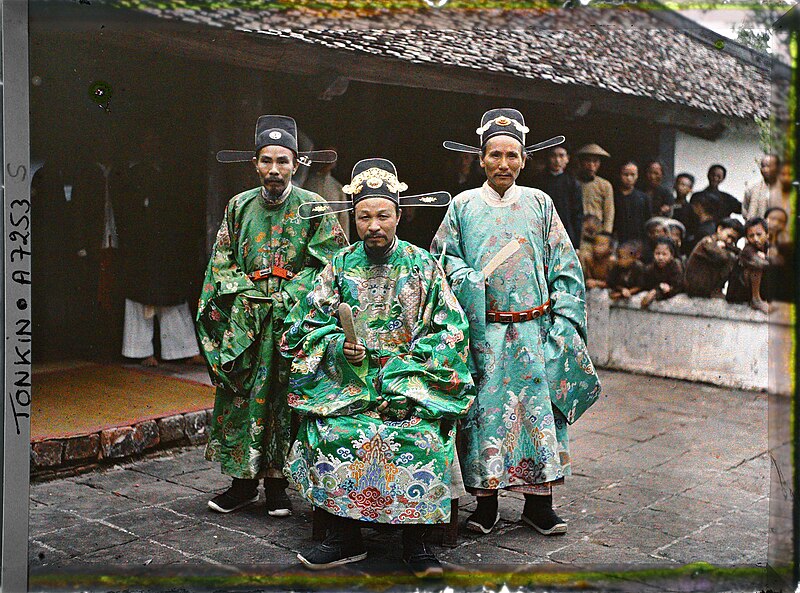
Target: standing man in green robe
point(513, 268)
point(376, 442)
point(265, 258)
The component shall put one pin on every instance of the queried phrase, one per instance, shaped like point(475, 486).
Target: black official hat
point(277, 130)
point(507, 122)
point(497, 122)
point(374, 178)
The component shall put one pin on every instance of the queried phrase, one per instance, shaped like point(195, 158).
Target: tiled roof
point(627, 51)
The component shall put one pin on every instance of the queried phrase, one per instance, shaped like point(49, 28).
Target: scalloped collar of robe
point(492, 198)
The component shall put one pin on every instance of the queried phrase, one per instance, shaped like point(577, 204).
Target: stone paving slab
point(587, 554)
point(156, 491)
point(165, 467)
point(672, 524)
point(666, 493)
point(141, 552)
point(734, 497)
point(150, 521)
point(206, 480)
point(479, 555)
point(43, 519)
point(86, 537)
point(81, 500)
point(252, 553)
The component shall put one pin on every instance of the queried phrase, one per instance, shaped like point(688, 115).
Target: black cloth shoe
point(539, 514)
point(342, 546)
point(416, 554)
point(276, 499)
point(485, 516)
point(240, 494)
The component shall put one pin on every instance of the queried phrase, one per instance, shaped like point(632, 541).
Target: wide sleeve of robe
point(467, 284)
point(231, 314)
point(322, 382)
point(234, 316)
point(434, 374)
point(574, 385)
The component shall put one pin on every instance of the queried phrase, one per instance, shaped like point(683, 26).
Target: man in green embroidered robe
point(512, 266)
point(265, 258)
point(376, 439)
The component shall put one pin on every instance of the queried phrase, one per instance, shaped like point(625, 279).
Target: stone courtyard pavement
point(665, 473)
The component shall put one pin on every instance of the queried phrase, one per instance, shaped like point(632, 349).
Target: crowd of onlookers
point(639, 236)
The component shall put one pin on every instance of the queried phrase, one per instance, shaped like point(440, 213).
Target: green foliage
point(790, 145)
point(771, 137)
point(754, 39)
point(764, 132)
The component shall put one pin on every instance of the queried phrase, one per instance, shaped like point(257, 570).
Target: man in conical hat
point(378, 401)
point(265, 258)
point(598, 193)
point(513, 268)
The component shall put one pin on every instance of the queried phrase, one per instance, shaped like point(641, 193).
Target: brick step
point(118, 443)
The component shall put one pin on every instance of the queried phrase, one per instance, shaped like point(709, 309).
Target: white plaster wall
point(691, 338)
point(738, 150)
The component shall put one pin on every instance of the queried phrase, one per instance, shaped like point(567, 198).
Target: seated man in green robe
point(376, 438)
point(264, 259)
point(513, 268)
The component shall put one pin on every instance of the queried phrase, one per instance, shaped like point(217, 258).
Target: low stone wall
point(692, 338)
point(112, 445)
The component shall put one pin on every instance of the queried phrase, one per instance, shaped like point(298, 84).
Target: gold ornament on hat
point(374, 177)
point(502, 121)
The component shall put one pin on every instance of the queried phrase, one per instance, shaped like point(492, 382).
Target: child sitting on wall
point(597, 265)
point(663, 279)
point(744, 284)
point(625, 277)
point(712, 260)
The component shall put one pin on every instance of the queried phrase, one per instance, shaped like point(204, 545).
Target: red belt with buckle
point(517, 316)
point(273, 271)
